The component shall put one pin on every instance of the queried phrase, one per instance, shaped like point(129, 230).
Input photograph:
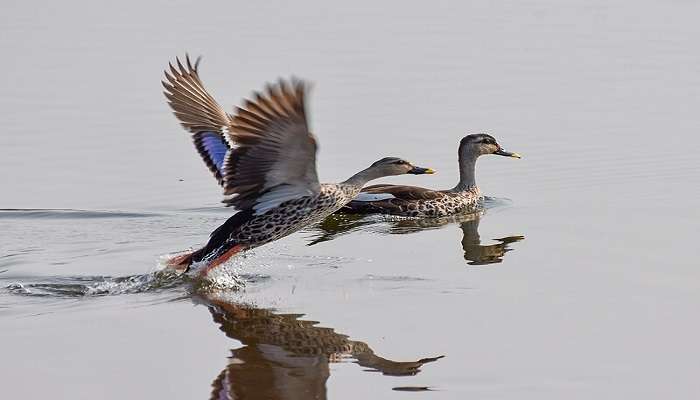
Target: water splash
point(81, 286)
point(230, 276)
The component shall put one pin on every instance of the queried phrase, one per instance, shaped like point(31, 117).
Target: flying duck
point(412, 201)
point(264, 157)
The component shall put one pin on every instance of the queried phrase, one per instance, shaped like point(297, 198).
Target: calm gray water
point(580, 280)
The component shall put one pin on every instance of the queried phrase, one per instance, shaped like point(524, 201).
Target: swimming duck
point(264, 157)
point(412, 201)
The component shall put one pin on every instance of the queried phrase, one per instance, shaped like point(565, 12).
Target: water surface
point(580, 280)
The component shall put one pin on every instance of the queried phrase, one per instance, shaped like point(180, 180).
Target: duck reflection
point(285, 357)
point(478, 254)
point(475, 253)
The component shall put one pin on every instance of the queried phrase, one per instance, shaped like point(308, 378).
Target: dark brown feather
point(196, 109)
point(403, 197)
point(274, 146)
point(193, 106)
point(268, 138)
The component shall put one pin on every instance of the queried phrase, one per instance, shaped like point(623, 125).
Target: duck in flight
point(264, 157)
point(412, 201)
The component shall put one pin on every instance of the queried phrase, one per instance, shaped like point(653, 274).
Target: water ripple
point(48, 213)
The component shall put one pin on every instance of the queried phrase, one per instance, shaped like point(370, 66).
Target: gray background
point(599, 300)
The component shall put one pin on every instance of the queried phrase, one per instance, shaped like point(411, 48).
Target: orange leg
point(181, 262)
point(223, 258)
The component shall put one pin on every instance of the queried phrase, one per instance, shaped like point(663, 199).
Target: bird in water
point(412, 201)
point(264, 157)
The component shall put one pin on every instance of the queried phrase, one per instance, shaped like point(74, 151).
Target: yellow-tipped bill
point(420, 171)
point(502, 152)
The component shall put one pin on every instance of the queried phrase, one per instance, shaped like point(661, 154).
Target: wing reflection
point(475, 253)
point(285, 357)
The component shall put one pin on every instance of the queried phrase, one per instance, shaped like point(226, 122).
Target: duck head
point(476, 145)
point(388, 166)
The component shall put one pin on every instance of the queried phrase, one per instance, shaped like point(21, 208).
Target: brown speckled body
point(438, 204)
point(449, 203)
point(293, 215)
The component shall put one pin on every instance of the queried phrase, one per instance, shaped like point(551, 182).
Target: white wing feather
point(373, 196)
point(279, 195)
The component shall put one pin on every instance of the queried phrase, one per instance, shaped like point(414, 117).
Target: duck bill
point(502, 152)
point(421, 171)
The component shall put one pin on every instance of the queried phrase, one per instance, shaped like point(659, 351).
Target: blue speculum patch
point(215, 146)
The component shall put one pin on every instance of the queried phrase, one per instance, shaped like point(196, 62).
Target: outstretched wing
point(199, 113)
point(274, 159)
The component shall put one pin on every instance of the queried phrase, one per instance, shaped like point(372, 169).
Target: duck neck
point(361, 178)
point(467, 179)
